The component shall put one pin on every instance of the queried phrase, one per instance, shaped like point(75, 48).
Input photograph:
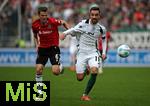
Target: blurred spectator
point(116, 14)
point(20, 43)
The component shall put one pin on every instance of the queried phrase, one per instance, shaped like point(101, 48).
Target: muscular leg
point(91, 81)
point(39, 78)
point(80, 69)
point(73, 61)
point(39, 69)
point(56, 69)
point(80, 76)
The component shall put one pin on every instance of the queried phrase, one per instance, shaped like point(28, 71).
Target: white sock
point(39, 80)
point(61, 67)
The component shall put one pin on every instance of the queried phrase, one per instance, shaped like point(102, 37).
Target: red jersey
point(100, 41)
point(47, 34)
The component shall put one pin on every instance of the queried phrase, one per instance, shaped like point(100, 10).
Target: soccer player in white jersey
point(87, 33)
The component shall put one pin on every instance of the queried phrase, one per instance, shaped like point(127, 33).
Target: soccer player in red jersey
point(100, 48)
point(46, 36)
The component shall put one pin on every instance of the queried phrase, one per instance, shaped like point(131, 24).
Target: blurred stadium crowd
point(117, 15)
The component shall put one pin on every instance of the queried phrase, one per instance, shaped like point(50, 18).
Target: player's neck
point(43, 22)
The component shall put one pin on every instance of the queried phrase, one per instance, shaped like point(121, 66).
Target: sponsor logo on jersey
point(89, 33)
point(45, 32)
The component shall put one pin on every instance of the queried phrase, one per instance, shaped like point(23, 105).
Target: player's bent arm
point(104, 46)
point(65, 24)
point(36, 41)
point(104, 40)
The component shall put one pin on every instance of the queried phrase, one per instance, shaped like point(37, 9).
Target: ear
point(89, 14)
point(100, 16)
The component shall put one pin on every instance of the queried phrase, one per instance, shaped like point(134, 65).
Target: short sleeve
point(103, 31)
point(78, 27)
point(34, 29)
point(55, 21)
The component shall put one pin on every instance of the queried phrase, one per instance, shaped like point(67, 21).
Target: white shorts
point(84, 60)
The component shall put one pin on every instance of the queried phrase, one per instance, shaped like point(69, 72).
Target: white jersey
point(87, 35)
point(73, 45)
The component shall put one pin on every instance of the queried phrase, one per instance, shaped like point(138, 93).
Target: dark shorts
point(52, 53)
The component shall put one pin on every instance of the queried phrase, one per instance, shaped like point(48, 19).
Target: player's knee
point(56, 70)
point(39, 70)
point(94, 70)
point(56, 73)
point(80, 77)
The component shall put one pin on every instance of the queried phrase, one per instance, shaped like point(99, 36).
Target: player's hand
point(62, 36)
point(104, 57)
point(37, 47)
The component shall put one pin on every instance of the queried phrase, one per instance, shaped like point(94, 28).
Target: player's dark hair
point(95, 8)
point(44, 9)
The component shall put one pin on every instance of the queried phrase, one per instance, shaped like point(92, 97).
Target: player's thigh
point(40, 63)
point(39, 68)
point(94, 62)
point(55, 58)
point(42, 60)
point(42, 56)
point(81, 63)
point(56, 69)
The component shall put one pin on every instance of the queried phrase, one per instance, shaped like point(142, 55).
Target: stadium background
point(127, 20)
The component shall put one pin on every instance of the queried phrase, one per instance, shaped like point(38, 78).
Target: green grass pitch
point(116, 87)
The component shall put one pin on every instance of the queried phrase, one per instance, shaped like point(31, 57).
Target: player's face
point(43, 16)
point(94, 16)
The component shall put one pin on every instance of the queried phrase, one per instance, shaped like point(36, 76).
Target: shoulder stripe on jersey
point(87, 21)
point(103, 37)
point(101, 30)
point(96, 44)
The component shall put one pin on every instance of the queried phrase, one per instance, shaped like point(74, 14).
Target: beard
point(94, 21)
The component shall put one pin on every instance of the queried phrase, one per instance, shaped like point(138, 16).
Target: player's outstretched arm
point(62, 36)
point(65, 33)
